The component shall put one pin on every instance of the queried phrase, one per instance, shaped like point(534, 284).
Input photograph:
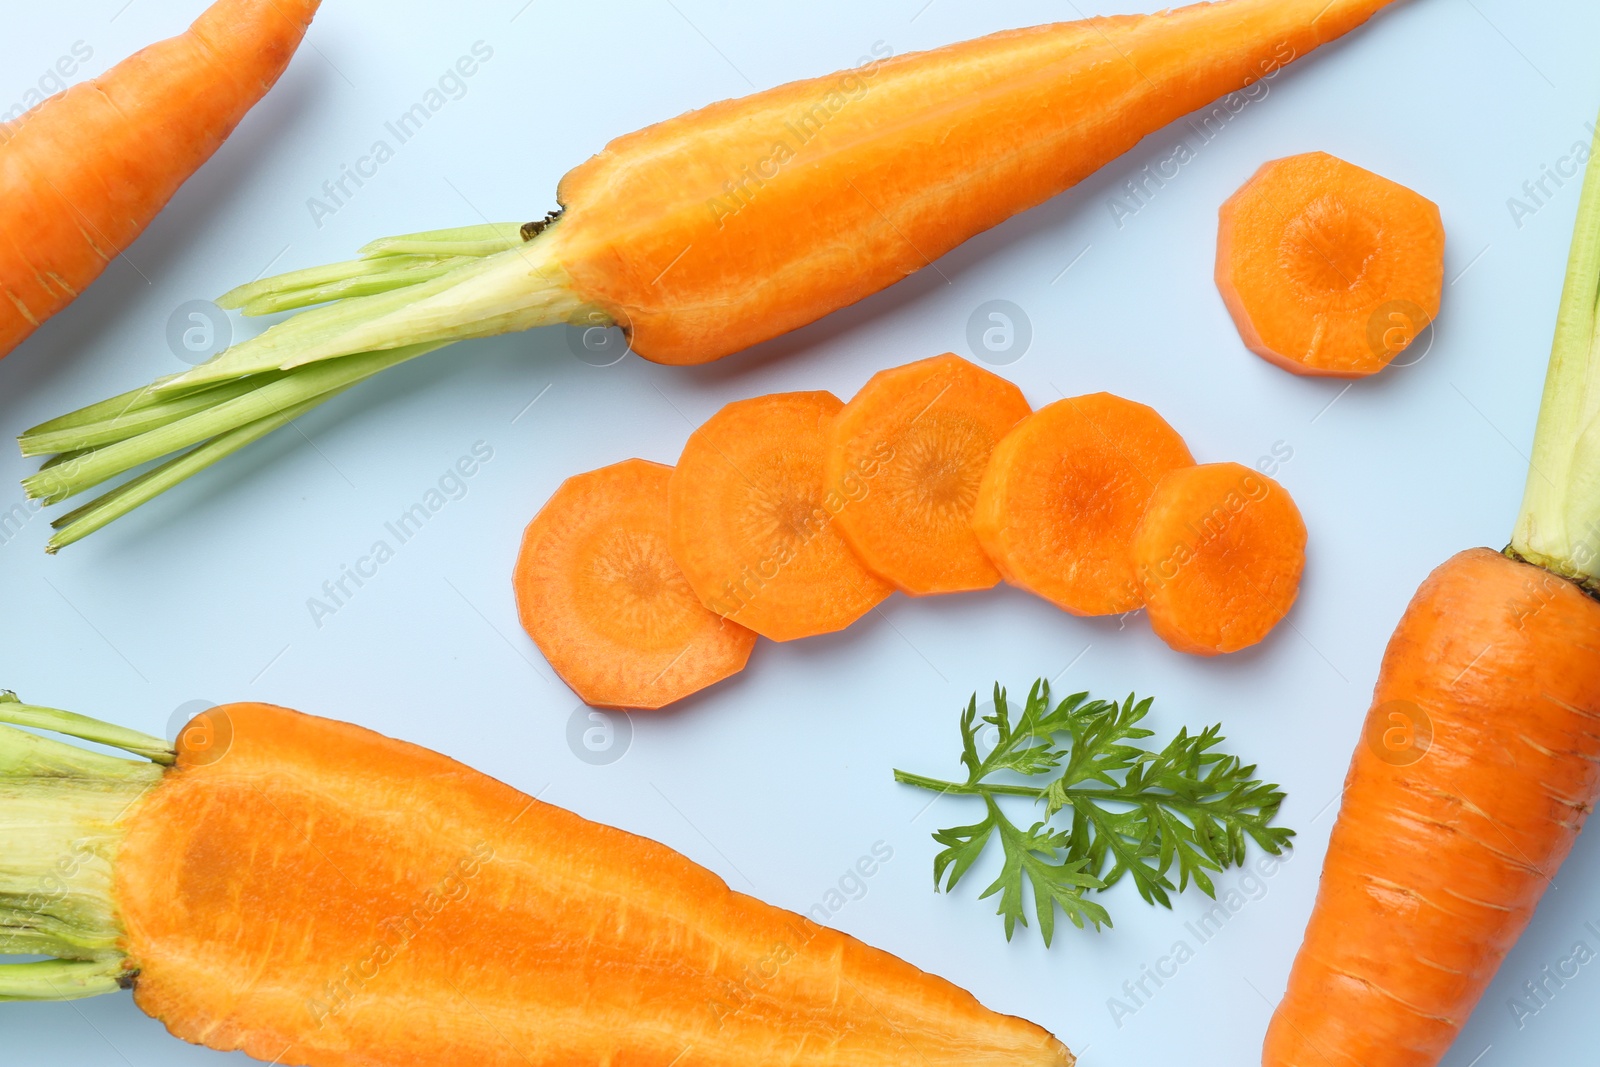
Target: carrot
point(726, 226)
point(752, 519)
point(912, 523)
point(408, 911)
point(600, 595)
point(82, 174)
point(1477, 766)
point(1062, 498)
point(1329, 269)
point(1219, 554)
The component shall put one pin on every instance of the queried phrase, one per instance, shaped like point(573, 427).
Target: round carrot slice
point(1063, 494)
point(600, 594)
point(908, 453)
point(1329, 269)
point(753, 521)
point(1219, 552)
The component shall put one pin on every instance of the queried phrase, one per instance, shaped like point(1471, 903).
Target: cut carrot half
point(753, 520)
point(600, 594)
point(908, 453)
point(1220, 552)
point(1064, 493)
point(1329, 269)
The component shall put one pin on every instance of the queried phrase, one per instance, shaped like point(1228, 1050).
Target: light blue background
point(780, 779)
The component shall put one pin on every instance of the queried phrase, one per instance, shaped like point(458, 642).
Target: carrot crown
point(59, 833)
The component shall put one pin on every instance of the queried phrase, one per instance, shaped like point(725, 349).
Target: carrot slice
point(1063, 494)
point(600, 595)
point(909, 452)
point(1219, 553)
point(752, 520)
point(1329, 269)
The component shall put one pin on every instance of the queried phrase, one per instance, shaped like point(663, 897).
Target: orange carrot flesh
point(1062, 498)
point(1329, 269)
point(318, 894)
point(1476, 770)
point(909, 451)
point(752, 520)
point(1219, 554)
point(748, 218)
point(599, 593)
point(85, 172)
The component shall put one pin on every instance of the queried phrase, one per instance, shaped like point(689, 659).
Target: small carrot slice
point(753, 520)
point(1329, 269)
point(600, 594)
point(909, 452)
point(1219, 553)
point(1063, 494)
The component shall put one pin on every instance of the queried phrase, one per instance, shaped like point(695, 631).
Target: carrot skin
point(1436, 863)
point(314, 893)
point(729, 225)
point(85, 172)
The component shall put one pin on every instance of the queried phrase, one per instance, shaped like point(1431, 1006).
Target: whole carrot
point(313, 893)
point(82, 174)
point(1480, 759)
point(723, 227)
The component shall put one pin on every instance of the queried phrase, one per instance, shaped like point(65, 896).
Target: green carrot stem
point(107, 508)
point(131, 423)
point(1559, 525)
point(110, 408)
point(922, 781)
point(16, 713)
point(460, 241)
point(61, 979)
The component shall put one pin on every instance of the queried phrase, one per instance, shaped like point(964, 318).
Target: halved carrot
point(1219, 555)
point(1329, 269)
point(752, 520)
point(600, 595)
point(1063, 494)
point(909, 452)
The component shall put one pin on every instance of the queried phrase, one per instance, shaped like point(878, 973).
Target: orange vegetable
point(709, 232)
point(82, 174)
point(1476, 770)
point(600, 595)
point(314, 893)
point(912, 523)
point(753, 519)
point(1329, 269)
point(1219, 554)
point(1063, 496)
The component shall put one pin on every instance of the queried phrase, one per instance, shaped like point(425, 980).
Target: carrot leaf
point(1126, 811)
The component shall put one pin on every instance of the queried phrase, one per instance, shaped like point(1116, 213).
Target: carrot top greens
point(1133, 812)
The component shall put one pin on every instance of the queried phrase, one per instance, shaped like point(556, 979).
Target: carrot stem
point(60, 979)
point(16, 713)
point(1559, 526)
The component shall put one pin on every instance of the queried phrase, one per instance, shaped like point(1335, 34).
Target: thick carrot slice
point(1219, 554)
point(909, 452)
point(1064, 493)
point(753, 520)
point(1329, 269)
point(600, 595)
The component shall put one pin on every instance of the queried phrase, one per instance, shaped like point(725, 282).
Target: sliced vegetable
point(1477, 765)
point(600, 594)
point(738, 222)
point(411, 912)
point(1064, 493)
point(1219, 555)
point(1133, 812)
point(82, 174)
point(909, 452)
point(1329, 269)
point(753, 520)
